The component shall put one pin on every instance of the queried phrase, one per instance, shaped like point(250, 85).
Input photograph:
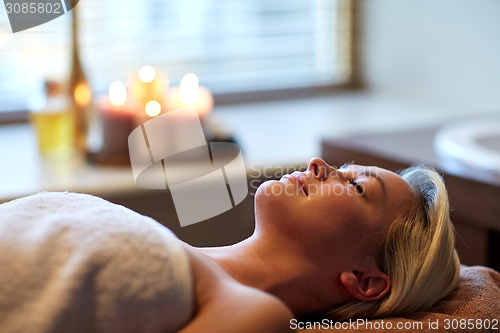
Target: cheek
point(338, 210)
point(336, 221)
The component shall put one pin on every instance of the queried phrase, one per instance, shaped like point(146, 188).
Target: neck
point(275, 270)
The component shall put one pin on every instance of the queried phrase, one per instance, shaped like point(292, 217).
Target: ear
point(366, 286)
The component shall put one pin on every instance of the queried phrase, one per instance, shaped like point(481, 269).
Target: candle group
point(189, 93)
point(149, 98)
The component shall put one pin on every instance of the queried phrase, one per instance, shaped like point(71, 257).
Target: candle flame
point(153, 108)
point(147, 74)
point(117, 93)
point(82, 94)
point(189, 88)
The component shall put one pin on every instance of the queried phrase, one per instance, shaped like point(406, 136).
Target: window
point(234, 46)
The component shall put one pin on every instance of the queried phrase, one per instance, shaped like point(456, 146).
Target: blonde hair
point(418, 254)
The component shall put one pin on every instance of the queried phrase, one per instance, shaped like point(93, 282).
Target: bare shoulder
point(224, 305)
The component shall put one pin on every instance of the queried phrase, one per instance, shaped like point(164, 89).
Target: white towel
point(76, 263)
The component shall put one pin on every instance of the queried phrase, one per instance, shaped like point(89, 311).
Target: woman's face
point(326, 210)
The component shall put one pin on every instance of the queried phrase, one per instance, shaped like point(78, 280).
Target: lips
point(300, 179)
point(303, 182)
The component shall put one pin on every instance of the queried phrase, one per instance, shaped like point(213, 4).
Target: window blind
point(232, 45)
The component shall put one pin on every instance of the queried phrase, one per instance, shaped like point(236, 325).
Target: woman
point(352, 242)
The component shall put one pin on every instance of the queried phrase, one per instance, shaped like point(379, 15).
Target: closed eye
point(359, 188)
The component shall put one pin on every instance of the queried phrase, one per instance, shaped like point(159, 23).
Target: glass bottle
point(52, 121)
point(79, 91)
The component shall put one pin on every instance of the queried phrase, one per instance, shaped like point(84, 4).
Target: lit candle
point(118, 120)
point(152, 108)
point(148, 85)
point(189, 93)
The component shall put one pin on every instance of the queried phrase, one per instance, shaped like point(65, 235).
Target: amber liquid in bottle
point(79, 93)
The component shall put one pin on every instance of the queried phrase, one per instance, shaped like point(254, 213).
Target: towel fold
point(77, 263)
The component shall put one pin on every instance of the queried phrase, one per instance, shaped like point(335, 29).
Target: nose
point(320, 169)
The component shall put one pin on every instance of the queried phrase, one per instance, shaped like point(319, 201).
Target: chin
point(270, 200)
point(265, 196)
point(269, 188)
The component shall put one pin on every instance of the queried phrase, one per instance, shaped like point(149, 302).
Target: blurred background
point(380, 82)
